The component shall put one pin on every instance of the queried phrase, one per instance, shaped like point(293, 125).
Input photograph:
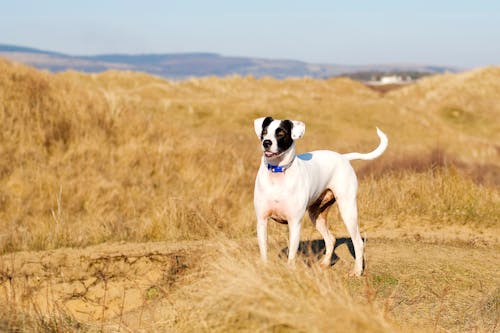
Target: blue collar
point(276, 168)
point(279, 168)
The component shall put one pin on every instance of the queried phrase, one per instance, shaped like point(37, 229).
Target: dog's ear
point(298, 129)
point(259, 124)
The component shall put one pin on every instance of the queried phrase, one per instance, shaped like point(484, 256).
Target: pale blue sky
point(457, 33)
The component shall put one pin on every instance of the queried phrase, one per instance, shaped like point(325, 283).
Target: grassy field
point(150, 183)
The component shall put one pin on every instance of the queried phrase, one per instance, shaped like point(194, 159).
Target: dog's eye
point(280, 133)
point(264, 132)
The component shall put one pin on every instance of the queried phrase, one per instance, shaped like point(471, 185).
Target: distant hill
point(183, 65)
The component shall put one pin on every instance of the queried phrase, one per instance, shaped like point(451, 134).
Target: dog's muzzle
point(270, 154)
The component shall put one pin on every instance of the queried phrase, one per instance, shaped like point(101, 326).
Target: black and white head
point(277, 136)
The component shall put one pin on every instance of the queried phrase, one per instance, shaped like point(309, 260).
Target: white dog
point(288, 185)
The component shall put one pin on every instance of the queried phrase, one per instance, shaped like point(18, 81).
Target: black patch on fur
point(265, 123)
point(279, 220)
point(284, 135)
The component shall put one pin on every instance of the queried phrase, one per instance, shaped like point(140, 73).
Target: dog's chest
point(277, 196)
point(276, 187)
point(278, 209)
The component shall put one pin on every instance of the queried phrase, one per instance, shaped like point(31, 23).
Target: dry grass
point(221, 286)
point(119, 156)
point(399, 292)
point(442, 195)
point(239, 294)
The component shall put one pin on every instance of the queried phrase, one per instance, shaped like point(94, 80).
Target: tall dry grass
point(408, 286)
point(125, 156)
point(239, 294)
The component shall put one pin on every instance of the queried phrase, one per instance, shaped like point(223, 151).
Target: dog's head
point(276, 135)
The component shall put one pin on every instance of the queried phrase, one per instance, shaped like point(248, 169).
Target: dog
point(287, 185)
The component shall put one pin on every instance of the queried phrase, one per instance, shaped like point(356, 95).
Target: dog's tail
point(373, 154)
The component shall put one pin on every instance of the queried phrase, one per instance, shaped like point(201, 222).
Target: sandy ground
point(94, 283)
point(127, 286)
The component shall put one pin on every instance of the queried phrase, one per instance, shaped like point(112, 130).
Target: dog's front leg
point(293, 246)
point(262, 237)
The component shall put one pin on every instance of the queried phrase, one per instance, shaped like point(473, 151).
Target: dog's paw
point(325, 264)
point(355, 273)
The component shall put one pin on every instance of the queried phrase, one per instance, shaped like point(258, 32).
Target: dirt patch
point(96, 283)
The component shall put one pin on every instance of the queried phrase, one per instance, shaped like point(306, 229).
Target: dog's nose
point(267, 143)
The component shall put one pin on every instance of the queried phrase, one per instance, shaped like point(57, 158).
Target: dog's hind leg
point(349, 212)
point(322, 227)
point(318, 213)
